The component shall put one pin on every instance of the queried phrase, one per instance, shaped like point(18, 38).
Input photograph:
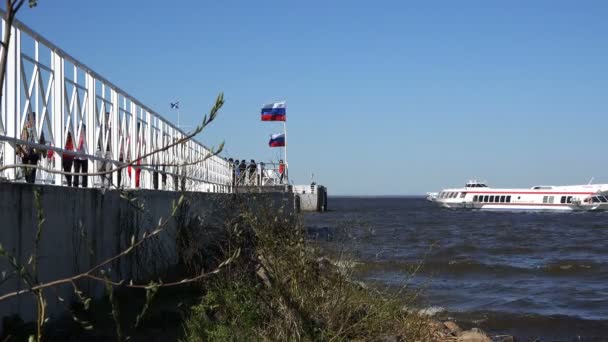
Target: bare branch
point(17, 5)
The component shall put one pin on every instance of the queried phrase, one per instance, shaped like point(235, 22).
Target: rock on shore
point(450, 331)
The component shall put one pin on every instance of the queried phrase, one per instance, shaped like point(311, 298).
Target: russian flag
point(274, 111)
point(277, 140)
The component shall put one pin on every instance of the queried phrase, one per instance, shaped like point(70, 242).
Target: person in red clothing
point(137, 172)
point(281, 170)
point(138, 162)
point(66, 159)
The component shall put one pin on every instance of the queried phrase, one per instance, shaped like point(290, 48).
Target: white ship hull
point(568, 198)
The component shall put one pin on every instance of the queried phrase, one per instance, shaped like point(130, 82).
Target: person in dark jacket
point(30, 155)
point(67, 160)
point(252, 169)
point(242, 170)
point(81, 163)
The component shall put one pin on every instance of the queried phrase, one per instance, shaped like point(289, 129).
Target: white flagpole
point(285, 147)
point(285, 134)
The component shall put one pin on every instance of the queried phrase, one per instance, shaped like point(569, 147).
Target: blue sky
point(384, 97)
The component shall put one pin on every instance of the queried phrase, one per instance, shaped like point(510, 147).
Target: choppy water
point(529, 274)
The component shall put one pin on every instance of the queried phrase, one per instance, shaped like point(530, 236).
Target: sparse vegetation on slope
point(281, 289)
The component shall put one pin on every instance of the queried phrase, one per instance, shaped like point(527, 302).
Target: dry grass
point(281, 289)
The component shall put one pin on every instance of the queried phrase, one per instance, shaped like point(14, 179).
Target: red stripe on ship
point(527, 193)
point(535, 204)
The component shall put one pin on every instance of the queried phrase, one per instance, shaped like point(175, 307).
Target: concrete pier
point(83, 227)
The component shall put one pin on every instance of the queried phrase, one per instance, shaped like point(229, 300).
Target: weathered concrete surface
point(311, 197)
point(83, 227)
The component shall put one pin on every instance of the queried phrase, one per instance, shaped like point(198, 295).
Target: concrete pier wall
point(311, 197)
point(83, 227)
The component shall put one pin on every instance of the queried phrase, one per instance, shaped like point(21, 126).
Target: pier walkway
point(50, 95)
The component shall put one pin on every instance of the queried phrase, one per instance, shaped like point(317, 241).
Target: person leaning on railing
point(281, 171)
point(66, 159)
point(30, 155)
point(242, 172)
point(252, 172)
point(81, 164)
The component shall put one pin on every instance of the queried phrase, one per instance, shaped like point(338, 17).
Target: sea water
point(533, 275)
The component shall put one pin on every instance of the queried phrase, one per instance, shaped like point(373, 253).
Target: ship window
point(545, 199)
point(502, 199)
point(551, 198)
point(569, 199)
point(595, 199)
point(491, 198)
point(562, 199)
point(475, 198)
point(602, 199)
point(508, 199)
point(462, 194)
point(485, 198)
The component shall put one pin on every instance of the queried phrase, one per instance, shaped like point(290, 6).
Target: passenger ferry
point(477, 195)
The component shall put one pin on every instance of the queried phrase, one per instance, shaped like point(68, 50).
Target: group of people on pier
point(72, 163)
point(75, 164)
point(255, 174)
point(32, 155)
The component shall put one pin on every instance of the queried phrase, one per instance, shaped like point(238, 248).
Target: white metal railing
point(59, 95)
point(274, 174)
point(263, 174)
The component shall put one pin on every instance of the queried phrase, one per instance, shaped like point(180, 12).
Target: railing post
point(114, 131)
point(58, 109)
point(133, 142)
point(92, 126)
point(148, 148)
point(12, 107)
point(161, 156)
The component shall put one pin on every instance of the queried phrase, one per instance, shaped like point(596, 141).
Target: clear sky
point(384, 97)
